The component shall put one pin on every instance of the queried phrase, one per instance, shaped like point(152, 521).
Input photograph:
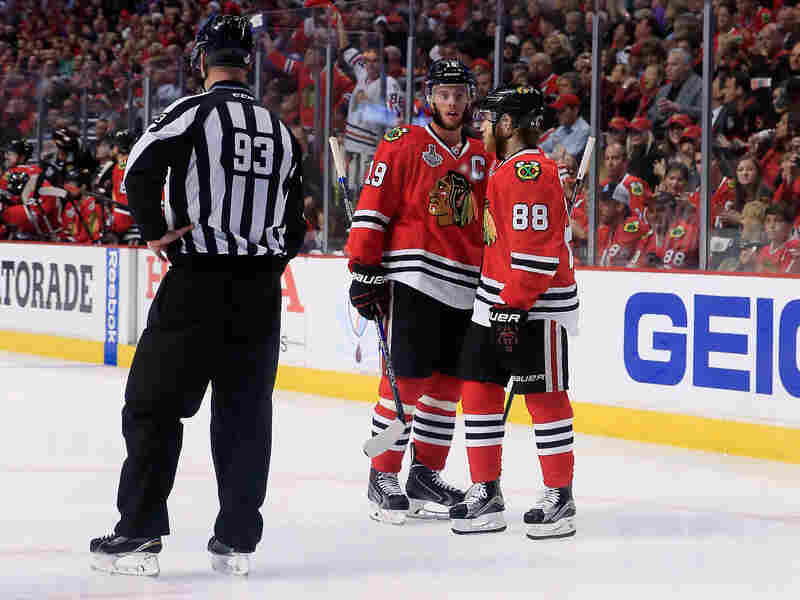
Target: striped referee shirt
point(226, 165)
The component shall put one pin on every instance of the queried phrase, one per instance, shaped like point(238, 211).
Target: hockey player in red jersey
point(526, 303)
point(26, 213)
point(122, 222)
point(415, 255)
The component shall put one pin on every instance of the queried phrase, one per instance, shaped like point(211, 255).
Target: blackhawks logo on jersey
point(636, 188)
point(450, 200)
point(631, 227)
point(528, 170)
point(395, 133)
point(677, 232)
point(489, 228)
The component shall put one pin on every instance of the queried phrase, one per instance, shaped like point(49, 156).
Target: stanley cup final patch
point(431, 157)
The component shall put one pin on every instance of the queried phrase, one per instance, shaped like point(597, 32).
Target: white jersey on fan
point(368, 117)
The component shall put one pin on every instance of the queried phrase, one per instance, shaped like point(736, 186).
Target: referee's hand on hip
point(158, 246)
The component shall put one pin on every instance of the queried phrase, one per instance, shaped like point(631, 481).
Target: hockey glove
point(368, 290)
point(506, 324)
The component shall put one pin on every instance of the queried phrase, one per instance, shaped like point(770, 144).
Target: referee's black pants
point(204, 326)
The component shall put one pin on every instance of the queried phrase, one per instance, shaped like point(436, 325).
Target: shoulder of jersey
point(529, 167)
point(403, 134)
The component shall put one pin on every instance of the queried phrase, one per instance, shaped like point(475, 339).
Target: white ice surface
point(653, 522)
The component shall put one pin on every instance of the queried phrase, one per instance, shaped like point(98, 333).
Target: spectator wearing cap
point(621, 183)
point(617, 131)
point(642, 151)
point(572, 131)
point(689, 144)
point(683, 93)
point(671, 144)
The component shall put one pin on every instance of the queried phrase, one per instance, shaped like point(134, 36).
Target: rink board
point(701, 361)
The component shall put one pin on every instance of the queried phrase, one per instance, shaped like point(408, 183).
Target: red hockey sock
point(484, 429)
point(435, 421)
point(552, 426)
point(384, 413)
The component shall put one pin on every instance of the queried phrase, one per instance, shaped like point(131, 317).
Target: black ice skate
point(429, 496)
point(553, 515)
point(126, 556)
point(228, 560)
point(481, 511)
point(389, 503)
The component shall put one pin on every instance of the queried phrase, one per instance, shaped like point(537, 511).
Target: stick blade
point(378, 444)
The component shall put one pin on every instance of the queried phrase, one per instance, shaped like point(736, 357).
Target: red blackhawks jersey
point(122, 216)
point(619, 248)
point(419, 214)
point(683, 244)
point(527, 261)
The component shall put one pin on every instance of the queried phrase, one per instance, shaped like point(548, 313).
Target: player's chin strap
point(387, 438)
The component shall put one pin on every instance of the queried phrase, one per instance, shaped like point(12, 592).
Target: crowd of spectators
point(88, 59)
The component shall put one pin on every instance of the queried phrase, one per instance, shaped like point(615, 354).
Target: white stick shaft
point(587, 157)
point(338, 158)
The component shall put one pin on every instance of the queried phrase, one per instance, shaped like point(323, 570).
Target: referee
point(232, 219)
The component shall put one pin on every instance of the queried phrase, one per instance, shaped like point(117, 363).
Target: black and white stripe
point(556, 367)
point(232, 169)
point(555, 437)
point(446, 280)
point(431, 427)
point(369, 219)
point(484, 430)
point(545, 265)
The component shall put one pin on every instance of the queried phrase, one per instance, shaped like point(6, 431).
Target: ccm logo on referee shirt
point(369, 279)
point(503, 317)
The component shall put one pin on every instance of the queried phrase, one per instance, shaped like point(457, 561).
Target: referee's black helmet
point(226, 40)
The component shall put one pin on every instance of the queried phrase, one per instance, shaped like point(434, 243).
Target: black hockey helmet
point(226, 40)
point(65, 140)
point(525, 105)
point(22, 147)
point(124, 140)
point(17, 180)
point(449, 71)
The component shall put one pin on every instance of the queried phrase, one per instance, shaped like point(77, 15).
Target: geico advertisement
point(318, 327)
point(58, 290)
point(716, 346)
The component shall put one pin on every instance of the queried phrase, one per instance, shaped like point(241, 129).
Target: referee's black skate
point(228, 560)
point(388, 502)
point(481, 511)
point(122, 555)
point(553, 515)
point(429, 496)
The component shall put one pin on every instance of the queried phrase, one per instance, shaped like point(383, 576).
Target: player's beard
point(437, 118)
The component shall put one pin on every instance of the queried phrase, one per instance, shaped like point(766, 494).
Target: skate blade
point(560, 529)
point(143, 564)
point(431, 511)
point(382, 515)
point(230, 564)
point(490, 523)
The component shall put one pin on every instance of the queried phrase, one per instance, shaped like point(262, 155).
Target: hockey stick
point(584, 166)
point(387, 438)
